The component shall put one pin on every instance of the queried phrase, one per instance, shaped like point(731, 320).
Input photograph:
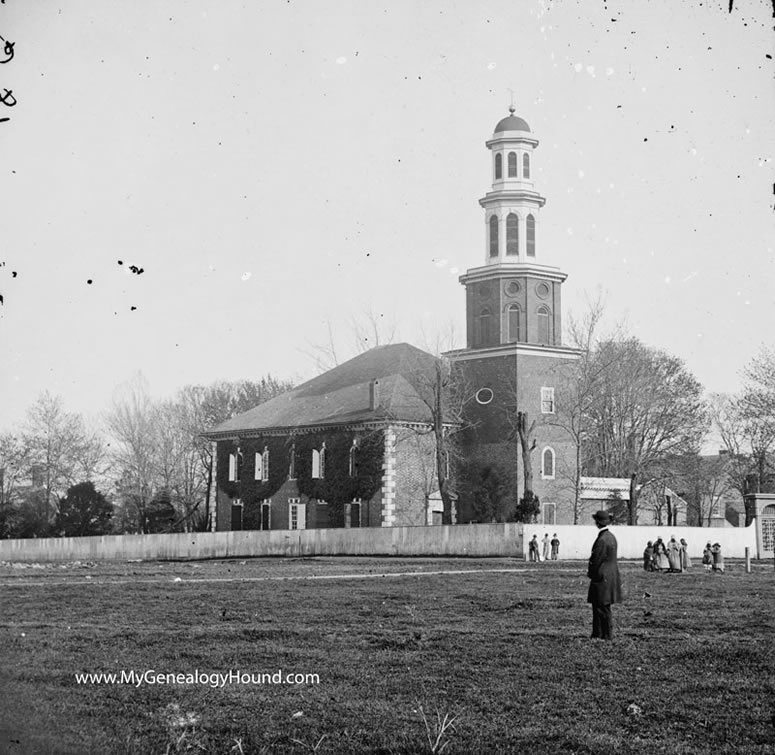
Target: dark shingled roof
point(342, 395)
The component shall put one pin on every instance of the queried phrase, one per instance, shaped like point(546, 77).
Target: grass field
point(494, 659)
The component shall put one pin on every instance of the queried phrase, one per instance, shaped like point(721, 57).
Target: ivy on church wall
point(336, 488)
point(251, 491)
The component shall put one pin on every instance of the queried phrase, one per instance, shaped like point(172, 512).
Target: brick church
point(352, 447)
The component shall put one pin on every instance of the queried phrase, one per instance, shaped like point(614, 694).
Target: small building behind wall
point(349, 448)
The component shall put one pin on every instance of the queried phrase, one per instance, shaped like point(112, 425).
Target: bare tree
point(646, 406)
point(14, 469)
point(367, 330)
point(62, 452)
point(132, 424)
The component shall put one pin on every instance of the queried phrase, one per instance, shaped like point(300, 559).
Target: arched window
point(547, 464)
point(512, 164)
point(494, 236)
point(485, 327)
point(262, 465)
point(292, 463)
point(526, 165)
point(513, 323)
point(512, 234)
point(498, 166)
point(319, 462)
point(531, 236)
point(354, 466)
point(544, 322)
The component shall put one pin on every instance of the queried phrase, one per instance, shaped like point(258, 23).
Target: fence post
point(747, 560)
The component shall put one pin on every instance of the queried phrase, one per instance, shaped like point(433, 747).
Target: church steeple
point(511, 207)
point(514, 297)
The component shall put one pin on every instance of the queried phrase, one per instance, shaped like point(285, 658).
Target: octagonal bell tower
point(514, 297)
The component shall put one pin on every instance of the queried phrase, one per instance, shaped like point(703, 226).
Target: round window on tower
point(484, 396)
point(512, 288)
point(542, 290)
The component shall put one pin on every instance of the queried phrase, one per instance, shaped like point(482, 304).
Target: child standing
point(648, 557)
point(707, 557)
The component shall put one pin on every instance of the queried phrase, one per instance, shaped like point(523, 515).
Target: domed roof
point(512, 123)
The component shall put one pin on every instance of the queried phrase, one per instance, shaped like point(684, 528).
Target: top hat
point(602, 517)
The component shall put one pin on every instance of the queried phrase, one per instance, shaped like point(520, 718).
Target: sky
point(200, 191)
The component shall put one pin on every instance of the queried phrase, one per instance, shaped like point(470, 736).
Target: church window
point(262, 465)
point(485, 324)
point(547, 464)
point(354, 466)
point(319, 463)
point(547, 400)
point(544, 322)
point(512, 234)
point(512, 164)
point(292, 463)
point(235, 463)
point(531, 236)
point(494, 236)
point(498, 165)
point(526, 165)
point(513, 323)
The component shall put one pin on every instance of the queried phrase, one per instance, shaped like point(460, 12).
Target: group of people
point(674, 556)
point(551, 548)
point(670, 557)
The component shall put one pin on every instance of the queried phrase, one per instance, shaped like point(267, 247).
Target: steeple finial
point(511, 107)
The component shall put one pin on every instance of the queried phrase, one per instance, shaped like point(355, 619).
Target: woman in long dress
point(674, 554)
point(686, 562)
point(660, 556)
point(718, 558)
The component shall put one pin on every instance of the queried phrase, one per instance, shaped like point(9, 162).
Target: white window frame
point(348, 507)
point(353, 460)
point(265, 465)
point(258, 473)
point(234, 465)
point(268, 503)
point(547, 400)
point(292, 463)
point(299, 510)
point(319, 463)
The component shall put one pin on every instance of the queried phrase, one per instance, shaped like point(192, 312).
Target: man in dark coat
point(605, 587)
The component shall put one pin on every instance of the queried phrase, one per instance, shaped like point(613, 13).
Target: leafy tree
point(528, 508)
point(84, 511)
point(490, 486)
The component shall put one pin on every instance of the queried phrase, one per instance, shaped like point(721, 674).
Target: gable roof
point(404, 376)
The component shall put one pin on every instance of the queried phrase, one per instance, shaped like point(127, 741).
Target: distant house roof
point(348, 394)
point(596, 488)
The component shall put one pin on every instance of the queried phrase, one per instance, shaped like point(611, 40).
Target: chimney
point(373, 394)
